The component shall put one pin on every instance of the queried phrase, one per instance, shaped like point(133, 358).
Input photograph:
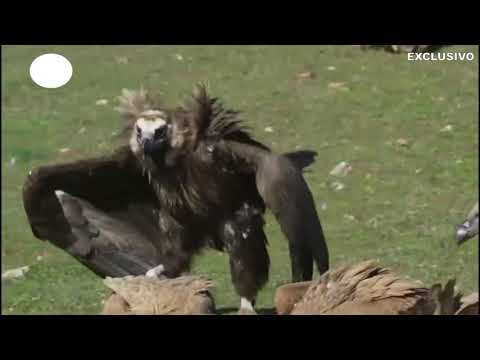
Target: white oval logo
point(51, 71)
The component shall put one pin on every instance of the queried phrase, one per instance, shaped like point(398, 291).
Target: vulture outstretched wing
point(99, 210)
point(279, 179)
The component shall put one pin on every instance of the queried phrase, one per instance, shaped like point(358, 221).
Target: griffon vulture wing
point(99, 210)
point(279, 180)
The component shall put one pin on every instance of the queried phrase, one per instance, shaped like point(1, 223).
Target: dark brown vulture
point(189, 178)
point(469, 228)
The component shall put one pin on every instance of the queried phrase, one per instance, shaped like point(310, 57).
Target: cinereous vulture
point(189, 177)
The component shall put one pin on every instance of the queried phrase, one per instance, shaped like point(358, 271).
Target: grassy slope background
point(399, 204)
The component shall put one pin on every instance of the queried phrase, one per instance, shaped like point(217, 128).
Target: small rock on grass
point(101, 102)
point(337, 186)
point(305, 75)
point(121, 60)
point(341, 169)
point(338, 85)
point(403, 142)
point(15, 273)
point(447, 128)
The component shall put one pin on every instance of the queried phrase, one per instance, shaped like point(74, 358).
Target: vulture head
point(159, 134)
point(469, 228)
point(141, 295)
point(147, 123)
point(150, 134)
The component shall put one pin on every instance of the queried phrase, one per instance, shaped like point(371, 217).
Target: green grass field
point(399, 205)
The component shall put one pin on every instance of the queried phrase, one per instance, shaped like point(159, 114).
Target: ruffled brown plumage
point(141, 295)
point(361, 289)
point(132, 103)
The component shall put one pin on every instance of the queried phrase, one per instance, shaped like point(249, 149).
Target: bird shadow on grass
point(234, 310)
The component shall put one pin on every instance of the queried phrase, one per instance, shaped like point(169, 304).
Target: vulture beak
point(469, 228)
point(155, 143)
point(151, 135)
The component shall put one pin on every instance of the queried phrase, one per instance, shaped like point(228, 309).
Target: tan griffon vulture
point(142, 295)
point(360, 289)
point(368, 289)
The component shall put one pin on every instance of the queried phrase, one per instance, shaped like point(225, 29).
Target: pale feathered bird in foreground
point(361, 289)
point(368, 289)
point(142, 295)
point(469, 228)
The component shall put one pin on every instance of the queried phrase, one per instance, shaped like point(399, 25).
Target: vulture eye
point(160, 132)
point(139, 131)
